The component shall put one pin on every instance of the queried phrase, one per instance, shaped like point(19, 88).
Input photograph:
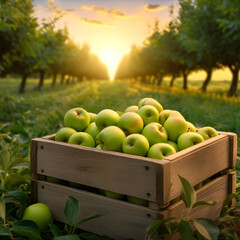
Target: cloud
point(102, 10)
point(96, 22)
point(153, 7)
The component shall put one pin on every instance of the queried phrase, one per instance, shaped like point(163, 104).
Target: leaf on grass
point(26, 228)
point(71, 210)
point(188, 193)
point(200, 203)
point(207, 228)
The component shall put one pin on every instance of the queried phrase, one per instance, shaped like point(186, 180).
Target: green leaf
point(55, 230)
point(67, 237)
point(228, 199)
point(5, 160)
point(14, 180)
point(17, 128)
point(4, 231)
point(188, 193)
point(207, 228)
point(2, 209)
point(88, 218)
point(185, 230)
point(200, 203)
point(26, 228)
point(71, 210)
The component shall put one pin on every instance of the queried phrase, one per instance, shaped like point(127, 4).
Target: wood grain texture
point(33, 155)
point(118, 172)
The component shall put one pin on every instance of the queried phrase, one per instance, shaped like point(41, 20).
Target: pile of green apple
point(145, 129)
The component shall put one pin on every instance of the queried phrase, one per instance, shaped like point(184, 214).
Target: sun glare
point(111, 57)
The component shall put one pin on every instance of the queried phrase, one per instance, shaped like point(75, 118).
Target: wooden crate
point(151, 179)
point(123, 220)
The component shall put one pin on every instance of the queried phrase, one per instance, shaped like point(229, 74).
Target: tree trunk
point(185, 75)
point(234, 84)
point(62, 79)
point(207, 80)
point(23, 83)
point(172, 80)
point(41, 80)
point(159, 79)
point(54, 79)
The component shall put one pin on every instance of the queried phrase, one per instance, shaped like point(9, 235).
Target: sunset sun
point(110, 56)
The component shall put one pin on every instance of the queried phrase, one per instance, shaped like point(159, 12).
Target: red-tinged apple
point(106, 117)
point(92, 129)
point(113, 195)
point(207, 132)
point(138, 201)
point(191, 127)
point(83, 139)
point(189, 139)
point(92, 116)
point(64, 134)
point(111, 138)
point(165, 114)
point(130, 122)
point(160, 150)
point(132, 108)
point(174, 145)
point(136, 144)
point(175, 126)
point(148, 114)
point(38, 213)
point(155, 133)
point(153, 103)
point(141, 102)
point(77, 118)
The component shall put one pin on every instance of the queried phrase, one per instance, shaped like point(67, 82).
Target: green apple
point(64, 134)
point(153, 103)
point(92, 116)
point(175, 126)
point(83, 139)
point(189, 139)
point(138, 201)
point(98, 146)
point(38, 213)
point(148, 114)
point(166, 113)
point(141, 102)
point(130, 122)
point(155, 133)
point(174, 145)
point(53, 180)
point(207, 132)
point(191, 127)
point(206, 181)
point(136, 144)
point(175, 200)
point(113, 195)
point(132, 108)
point(199, 185)
point(106, 117)
point(160, 150)
point(77, 118)
point(75, 185)
point(111, 138)
point(92, 129)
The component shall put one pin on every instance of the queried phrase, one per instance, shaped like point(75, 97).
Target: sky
point(110, 27)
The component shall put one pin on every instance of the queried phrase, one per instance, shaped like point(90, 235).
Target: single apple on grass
point(113, 195)
point(207, 132)
point(160, 150)
point(92, 129)
point(63, 134)
point(38, 213)
point(106, 117)
point(155, 133)
point(83, 139)
point(77, 118)
point(175, 126)
point(92, 116)
point(136, 144)
point(165, 114)
point(111, 138)
point(132, 108)
point(148, 114)
point(191, 127)
point(174, 145)
point(138, 201)
point(189, 139)
point(130, 122)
